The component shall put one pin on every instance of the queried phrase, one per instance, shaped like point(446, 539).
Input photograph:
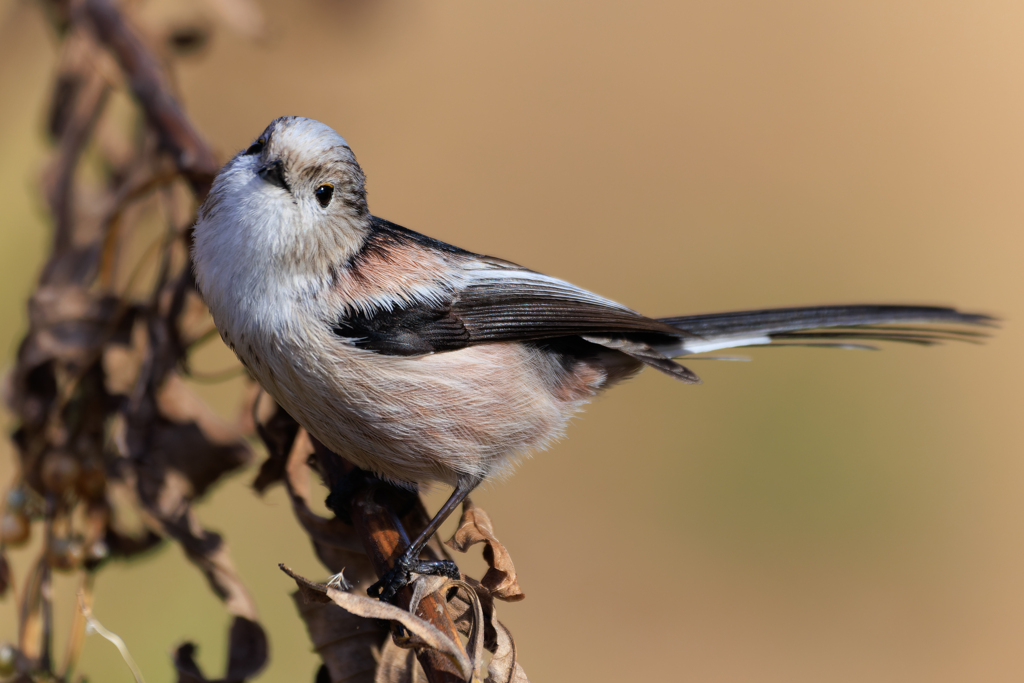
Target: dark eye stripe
point(256, 147)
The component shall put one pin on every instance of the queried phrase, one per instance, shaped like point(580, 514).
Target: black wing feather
point(488, 313)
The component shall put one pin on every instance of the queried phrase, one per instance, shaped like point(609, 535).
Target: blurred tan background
point(810, 516)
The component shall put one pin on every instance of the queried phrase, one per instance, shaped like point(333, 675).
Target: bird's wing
point(443, 299)
point(480, 300)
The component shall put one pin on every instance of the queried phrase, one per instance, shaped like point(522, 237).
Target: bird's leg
point(408, 563)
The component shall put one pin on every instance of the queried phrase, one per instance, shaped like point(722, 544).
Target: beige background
point(811, 516)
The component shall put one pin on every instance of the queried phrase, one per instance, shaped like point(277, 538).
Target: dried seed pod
point(60, 471)
point(66, 553)
point(15, 528)
point(92, 481)
point(98, 550)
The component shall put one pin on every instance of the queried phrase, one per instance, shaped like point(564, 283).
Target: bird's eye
point(256, 147)
point(324, 193)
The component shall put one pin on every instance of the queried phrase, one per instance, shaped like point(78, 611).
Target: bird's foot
point(399, 576)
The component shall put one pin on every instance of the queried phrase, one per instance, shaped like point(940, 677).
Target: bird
point(422, 362)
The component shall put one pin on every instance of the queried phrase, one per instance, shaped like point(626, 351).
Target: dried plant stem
point(151, 87)
point(76, 638)
point(96, 626)
point(46, 592)
point(384, 539)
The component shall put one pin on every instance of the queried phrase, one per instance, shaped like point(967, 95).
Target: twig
point(87, 106)
point(76, 638)
point(46, 591)
point(95, 625)
point(151, 87)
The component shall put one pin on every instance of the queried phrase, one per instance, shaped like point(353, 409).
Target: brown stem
point(152, 89)
point(384, 539)
point(88, 104)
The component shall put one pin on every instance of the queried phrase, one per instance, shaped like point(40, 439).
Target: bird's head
point(294, 201)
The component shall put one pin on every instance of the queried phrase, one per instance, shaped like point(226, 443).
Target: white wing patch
point(703, 346)
point(686, 347)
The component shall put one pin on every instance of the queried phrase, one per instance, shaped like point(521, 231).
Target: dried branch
point(151, 87)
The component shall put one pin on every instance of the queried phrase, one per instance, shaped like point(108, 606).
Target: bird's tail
point(831, 326)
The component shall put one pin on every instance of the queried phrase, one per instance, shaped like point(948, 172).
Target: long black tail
point(837, 326)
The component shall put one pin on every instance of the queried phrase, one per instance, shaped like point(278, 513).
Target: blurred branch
point(151, 88)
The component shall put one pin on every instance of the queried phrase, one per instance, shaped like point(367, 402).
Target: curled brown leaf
point(504, 665)
point(398, 665)
point(345, 642)
point(247, 653)
point(475, 527)
point(421, 633)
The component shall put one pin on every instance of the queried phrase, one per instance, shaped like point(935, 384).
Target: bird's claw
point(399, 576)
point(393, 581)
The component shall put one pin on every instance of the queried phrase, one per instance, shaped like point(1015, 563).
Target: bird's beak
point(273, 173)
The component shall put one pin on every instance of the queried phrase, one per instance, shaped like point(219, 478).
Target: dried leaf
point(185, 663)
point(278, 434)
point(183, 450)
point(504, 666)
point(472, 610)
point(424, 586)
point(247, 654)
point(345, 642)
point(398, 665)
point(247, 651)
point(336, 543)
point(70, 323)
point(423, 633)
point(207, 550)
point(475, 527)
point(311, 591)
point(477, 625)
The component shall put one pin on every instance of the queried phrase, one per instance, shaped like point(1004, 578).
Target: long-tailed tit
point(422, 362)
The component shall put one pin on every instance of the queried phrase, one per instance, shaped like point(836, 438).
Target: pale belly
point(443, 417)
